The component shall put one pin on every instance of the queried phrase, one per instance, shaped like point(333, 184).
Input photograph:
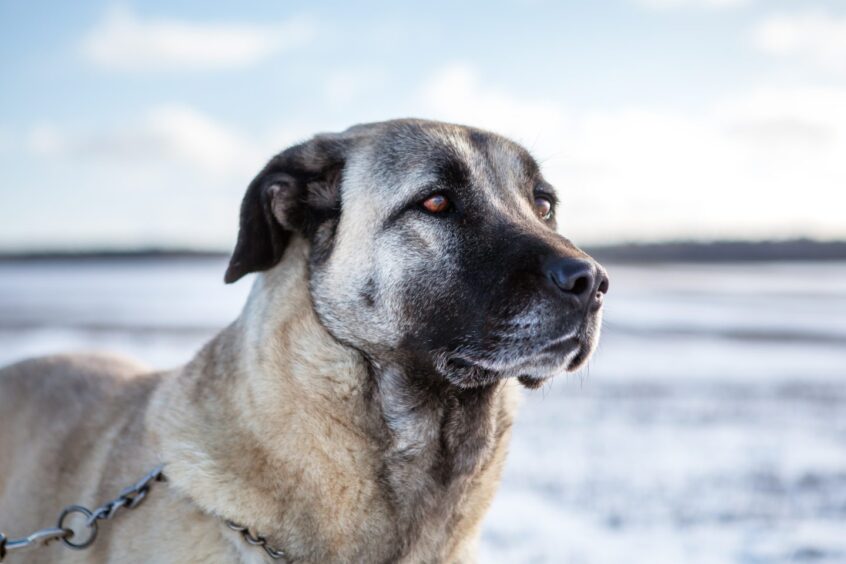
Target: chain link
point(256, 540)
point(39, 538)
point(129, 498)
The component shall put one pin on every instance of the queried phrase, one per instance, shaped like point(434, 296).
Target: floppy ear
point(297, 186)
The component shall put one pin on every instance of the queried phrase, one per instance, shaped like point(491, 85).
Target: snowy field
point(710, 426)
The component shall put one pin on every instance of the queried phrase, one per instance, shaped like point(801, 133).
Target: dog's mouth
point(532, 364)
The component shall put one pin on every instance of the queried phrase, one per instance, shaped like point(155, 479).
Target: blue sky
point(131, 124)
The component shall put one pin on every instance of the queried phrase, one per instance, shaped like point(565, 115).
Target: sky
point(129, 125)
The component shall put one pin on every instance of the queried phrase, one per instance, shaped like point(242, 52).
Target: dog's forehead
point(404, 157)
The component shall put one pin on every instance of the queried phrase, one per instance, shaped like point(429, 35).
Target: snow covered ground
point(710, 426)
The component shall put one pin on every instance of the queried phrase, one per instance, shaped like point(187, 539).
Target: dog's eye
point(437, 203)
point(543, 207)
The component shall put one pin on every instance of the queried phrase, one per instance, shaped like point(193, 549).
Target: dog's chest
point(438, 449)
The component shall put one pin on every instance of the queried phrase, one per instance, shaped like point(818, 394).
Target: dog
point(410, 278)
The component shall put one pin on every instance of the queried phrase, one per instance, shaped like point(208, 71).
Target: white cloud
point(455, 93)
point(171, 134)
point(815, 36)
point(763, 163)
point(673, 4)
point(194, 138)
point(124, 41)
point(760, 164)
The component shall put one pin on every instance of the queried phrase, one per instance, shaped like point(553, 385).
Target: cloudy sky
point(130, 124)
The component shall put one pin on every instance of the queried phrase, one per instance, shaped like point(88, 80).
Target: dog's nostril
point(580, 285)
point(575, 277)
point(603, 286)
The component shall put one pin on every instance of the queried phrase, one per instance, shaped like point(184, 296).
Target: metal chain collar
point(129, 498)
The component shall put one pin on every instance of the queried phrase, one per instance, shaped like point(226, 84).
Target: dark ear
point(298, 184)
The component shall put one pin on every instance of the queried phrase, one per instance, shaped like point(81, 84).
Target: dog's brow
point(410, 195)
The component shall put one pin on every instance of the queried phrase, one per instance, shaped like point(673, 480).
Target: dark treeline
point(722, 251)
point(676, 251)
point(104, 255)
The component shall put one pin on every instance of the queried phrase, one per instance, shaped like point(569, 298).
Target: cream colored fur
point(272, 425)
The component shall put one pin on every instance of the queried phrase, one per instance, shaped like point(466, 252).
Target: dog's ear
point(297, 188)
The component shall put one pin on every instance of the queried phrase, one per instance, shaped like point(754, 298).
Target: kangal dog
point(410, 278)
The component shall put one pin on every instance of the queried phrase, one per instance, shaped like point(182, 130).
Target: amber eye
point(543, 207)
point(436, 204)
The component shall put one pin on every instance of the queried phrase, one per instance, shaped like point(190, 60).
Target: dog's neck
point(276, 425)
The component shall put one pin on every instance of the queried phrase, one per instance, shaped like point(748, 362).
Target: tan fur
point(359, 409)
point(270, 425)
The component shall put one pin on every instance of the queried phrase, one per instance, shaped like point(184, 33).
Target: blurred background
point(698, 148)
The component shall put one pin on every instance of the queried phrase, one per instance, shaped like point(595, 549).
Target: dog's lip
point(559, 347)
point(564, 351)
point(567, 351)
point(560, 343)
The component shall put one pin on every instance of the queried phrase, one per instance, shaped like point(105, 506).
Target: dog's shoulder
point(54, 386)
point(60, 418)
point(68, 373)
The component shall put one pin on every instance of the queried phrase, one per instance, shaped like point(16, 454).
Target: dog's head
point(433, 245)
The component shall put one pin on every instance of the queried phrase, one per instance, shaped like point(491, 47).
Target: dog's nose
point(582, 279)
